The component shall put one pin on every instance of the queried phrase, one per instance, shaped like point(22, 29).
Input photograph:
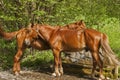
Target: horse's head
point(44, 31)
point(31, 35)
point(77, 25)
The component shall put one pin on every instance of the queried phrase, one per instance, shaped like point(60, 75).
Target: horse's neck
point(46, 32)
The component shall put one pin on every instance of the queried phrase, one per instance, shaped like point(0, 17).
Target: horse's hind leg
point(94, 67)
point(16, 66)
point(99, 62)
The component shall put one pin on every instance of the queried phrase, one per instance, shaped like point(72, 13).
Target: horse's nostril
point(27, 42)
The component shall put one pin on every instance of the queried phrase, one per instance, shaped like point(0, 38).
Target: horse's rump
point(101, 40)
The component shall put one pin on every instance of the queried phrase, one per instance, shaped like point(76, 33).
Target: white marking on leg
point(54, 74)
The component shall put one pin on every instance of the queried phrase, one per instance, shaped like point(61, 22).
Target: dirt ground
point(71, 72)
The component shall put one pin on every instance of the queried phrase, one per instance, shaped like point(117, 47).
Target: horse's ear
point(79, 22)
point(83, 23)
point(32, 24)
point(67, 26)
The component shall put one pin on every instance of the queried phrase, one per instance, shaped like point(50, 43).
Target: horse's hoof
point(56, 75)
point(21, 72)
point(107, 78)
point(16, 73)
point(61, 74)
point(102, 77)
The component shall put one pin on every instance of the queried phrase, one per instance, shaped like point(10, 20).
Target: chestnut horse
point(22, 43)
point(66, 40)
point(26, 37)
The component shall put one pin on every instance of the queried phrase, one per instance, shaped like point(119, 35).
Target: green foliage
point(7, 54)
point(6, 60)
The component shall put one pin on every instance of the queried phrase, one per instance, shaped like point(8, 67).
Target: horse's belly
point(74, 47)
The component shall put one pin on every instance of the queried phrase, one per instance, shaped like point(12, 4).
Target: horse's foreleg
point(56, 62)
point(97, 58)
point(60, 64)
point(16, 66)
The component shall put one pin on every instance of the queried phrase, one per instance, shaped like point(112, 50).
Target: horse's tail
point(8, 35)
point(107, 51)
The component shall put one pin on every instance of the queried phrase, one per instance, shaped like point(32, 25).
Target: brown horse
point(66, 40)
point(22, 43)
point(26, 37)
